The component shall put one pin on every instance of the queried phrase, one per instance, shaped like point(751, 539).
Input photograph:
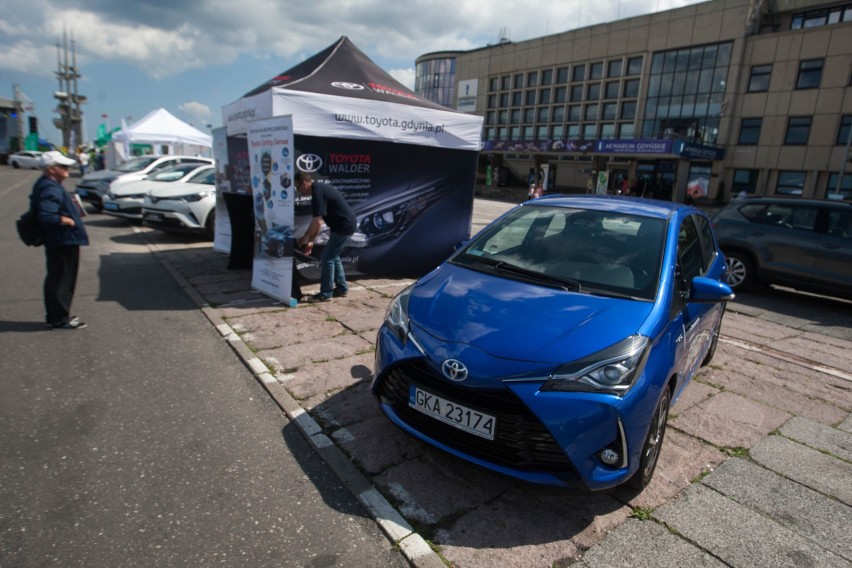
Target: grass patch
point(642, 513)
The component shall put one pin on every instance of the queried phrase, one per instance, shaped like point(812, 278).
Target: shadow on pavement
point(22, 326)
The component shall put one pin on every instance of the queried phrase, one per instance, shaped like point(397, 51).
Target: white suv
point(124, 198)
point(93, 186)
point(183, 207)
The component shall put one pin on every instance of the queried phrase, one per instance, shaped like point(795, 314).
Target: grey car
point(790, 241)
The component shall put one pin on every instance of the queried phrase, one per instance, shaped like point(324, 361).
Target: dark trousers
point(59, 284)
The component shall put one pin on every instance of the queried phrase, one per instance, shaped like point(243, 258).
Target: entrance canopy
point(162, 127)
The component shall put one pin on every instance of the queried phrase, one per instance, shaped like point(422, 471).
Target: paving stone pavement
point(756, 469)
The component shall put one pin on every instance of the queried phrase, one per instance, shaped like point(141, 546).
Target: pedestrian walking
point(330, 207)
point(83, 160)
point(61, 219)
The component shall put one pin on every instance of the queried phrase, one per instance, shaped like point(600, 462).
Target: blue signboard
point(698, 151)
point(630, 146)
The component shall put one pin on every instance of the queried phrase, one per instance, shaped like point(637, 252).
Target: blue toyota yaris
point(551, 346)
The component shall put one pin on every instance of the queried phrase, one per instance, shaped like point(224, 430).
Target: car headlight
point(396, 316)
point(612, 370)
point(196, 196)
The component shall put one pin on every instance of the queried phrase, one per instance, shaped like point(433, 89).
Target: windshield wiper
point(564, 283)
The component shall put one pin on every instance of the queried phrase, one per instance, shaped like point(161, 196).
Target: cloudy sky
point(191, 57)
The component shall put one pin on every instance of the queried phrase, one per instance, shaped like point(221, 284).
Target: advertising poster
point(270, 153)
point(222, 236)
point(603, 181)
point(412, 204)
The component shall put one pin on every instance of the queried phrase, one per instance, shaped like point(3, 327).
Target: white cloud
point(198, 113)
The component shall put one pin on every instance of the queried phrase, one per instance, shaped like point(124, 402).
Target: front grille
point(521, 440)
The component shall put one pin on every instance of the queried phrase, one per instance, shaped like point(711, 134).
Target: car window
point(207, 176)
point(840, 223)
point(136, 164)
point(708, 243)
point(689, 250)
point(604, 251)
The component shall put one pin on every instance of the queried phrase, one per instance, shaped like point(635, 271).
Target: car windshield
point(205, 176)
point(173, 173)
point(599, 252)
point(136, 164)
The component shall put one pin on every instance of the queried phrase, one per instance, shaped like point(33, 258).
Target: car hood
point(134, 187)
point(518, 320)
point(100, 175)
point(177, 189)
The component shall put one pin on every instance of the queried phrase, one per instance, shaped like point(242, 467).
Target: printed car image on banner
point(413, 204)
point(270, 147)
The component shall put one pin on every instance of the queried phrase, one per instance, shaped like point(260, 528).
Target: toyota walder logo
point(309, 163)
point(454, 370)
point(348, 86)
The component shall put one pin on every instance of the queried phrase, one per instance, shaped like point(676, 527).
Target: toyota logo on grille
point(348, 86)
point(454, 370)
point(309, 163)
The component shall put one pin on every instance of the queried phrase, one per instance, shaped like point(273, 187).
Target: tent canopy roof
point(161, 127)
point(344, 70)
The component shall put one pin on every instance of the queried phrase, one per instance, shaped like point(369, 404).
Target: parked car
point(93, 186)
point(278, 241)
point(27, 160)
point(124, 198)
point(790, 241)
point(183, 207)
point(551, 346)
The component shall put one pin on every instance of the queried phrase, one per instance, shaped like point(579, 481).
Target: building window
point(514, 133)
point(518, 81)
point(579, 73)
point(843, 192)
point(626, 130)
point(489, 117)
point(590, 131)
point(745, 181)
point(631, 88)
point(558, 114)
point(557, 132)
point(506, 82)
point(541, 132)
point(547, 77)
point(575, 113)
point(560, 94)
point(489, 134)
point(822, 17)
point(517, 98)
point(532, 79)
point(493, 82)
point(790, 183)
point(750, 131)
point(591, 112)
point(516, 116)
point(577, 93)
point(502, 133)
point(759, 80)
point(607, 130)
point(530, 97)
point(503, 117)
point(561, 75)
point(810, 73)
point(504, 99)
point(843, 131)
point(573, 131)
point(528, 133)
point(798, 130)
point(543, 113)
point(595, 71)
point(634, 65)
point(492, 101)
point(529, 115)
point(593, 92)
point(544, 97)
point(628, 110)
point(612, 90)
point(610, 110)
point(614, 68)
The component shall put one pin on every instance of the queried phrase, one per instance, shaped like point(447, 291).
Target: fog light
point(609, 456)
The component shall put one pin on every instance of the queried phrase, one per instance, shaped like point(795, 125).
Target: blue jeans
point(332, 269)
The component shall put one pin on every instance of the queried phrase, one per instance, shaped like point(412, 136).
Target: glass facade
point(435, 80)
point(686, 89)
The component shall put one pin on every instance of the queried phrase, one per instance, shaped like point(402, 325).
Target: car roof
point(616, 204)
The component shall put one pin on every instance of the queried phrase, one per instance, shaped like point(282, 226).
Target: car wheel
point(98, 205)
point(653, 445)
point(740, 271)
point(210, 225)
point(16, 165)
point(279, 249)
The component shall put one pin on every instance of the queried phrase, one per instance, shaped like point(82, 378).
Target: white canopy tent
point(161, 128)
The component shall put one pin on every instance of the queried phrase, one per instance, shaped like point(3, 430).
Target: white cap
point(54, 158)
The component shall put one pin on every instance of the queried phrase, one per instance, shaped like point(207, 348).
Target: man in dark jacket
point(61, 220)
point(328, 206)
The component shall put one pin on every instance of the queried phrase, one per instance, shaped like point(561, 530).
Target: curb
point(413, 546)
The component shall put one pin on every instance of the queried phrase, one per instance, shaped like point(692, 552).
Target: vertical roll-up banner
point(270, 147)
point(222, 234)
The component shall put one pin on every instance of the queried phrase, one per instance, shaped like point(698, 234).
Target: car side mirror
point(708, 290)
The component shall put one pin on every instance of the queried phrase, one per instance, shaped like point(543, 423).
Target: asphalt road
point(142, 440)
